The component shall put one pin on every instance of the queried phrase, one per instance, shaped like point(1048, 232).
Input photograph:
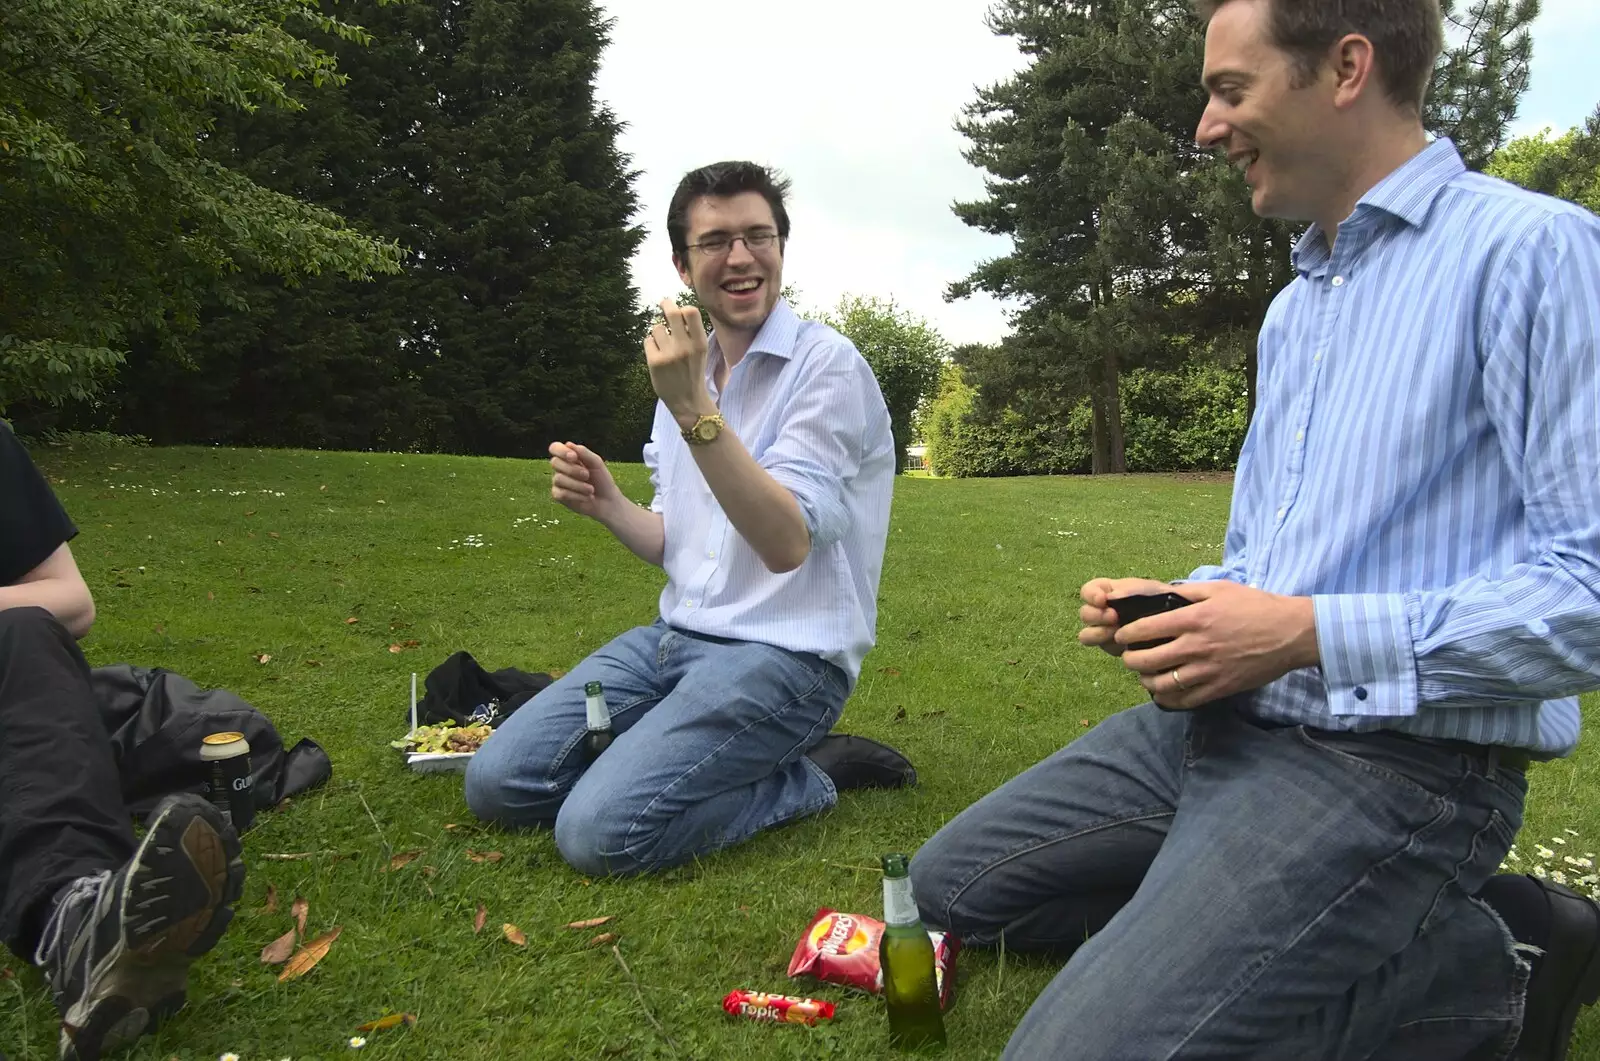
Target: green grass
point(204, 560)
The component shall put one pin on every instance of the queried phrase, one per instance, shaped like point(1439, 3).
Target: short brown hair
point(719, 180)
point(1407, 37)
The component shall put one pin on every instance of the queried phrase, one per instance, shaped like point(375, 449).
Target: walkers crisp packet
point(843, 949)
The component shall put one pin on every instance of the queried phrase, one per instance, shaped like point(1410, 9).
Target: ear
point(1354, 66)
point(683, 271)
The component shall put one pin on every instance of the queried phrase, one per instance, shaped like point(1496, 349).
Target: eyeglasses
point(717, 246)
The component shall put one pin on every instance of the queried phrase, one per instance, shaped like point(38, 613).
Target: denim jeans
point(1231, 890)
point(710, 750)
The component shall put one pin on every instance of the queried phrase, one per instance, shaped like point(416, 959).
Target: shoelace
point(90, 888)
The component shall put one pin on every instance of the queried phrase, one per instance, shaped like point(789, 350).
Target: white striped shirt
point(1424, 463)
point(806, 405)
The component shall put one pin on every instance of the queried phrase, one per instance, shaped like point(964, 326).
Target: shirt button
point(1361, 692)
point(711, 554)
point(1338, 281)
point(1318, 357)
point(1299, 436)
point(1280, 513)
point(688, 604)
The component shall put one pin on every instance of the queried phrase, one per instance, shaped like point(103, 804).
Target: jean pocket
point(1428, 772)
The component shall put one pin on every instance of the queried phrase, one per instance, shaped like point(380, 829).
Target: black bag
point(461, 693)
point(157, 719)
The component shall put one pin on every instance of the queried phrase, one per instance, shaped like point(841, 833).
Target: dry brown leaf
point(429, 871)
point(477, 922)
point(404, 858)
point(324, 486)
point(351, 621)
point(1083, 722)
point(483, 856)
point(514, 934)
point(277, 952)
point(264, 658)
point(451, 825)
point(593, 922)
point(391, 1021)
point(252, 512)
point(313, 663)
point(272, 534)
point(411, 642)
point(1012, 662)
point(300, 908)
point(309, 956)
point(210, 595)
point(602, 939)
point(396, 648)
point(893, 672)
point(272, 899)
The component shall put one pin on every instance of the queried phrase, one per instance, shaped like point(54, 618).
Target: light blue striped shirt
point(806, 405)
point(1424, 463)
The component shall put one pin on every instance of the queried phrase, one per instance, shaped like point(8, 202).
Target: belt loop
point(1494, 759)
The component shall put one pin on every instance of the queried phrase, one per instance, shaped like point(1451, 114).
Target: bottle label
point(599, 717)
point(899, 906)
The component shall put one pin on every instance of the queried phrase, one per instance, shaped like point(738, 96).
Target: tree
point(1567, 166)
point(1132, 247)
point(116, 221)
point(906, 355)
point(470, 132)
point(1480, 79)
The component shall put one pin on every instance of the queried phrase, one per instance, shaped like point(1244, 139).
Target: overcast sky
point(855, 102)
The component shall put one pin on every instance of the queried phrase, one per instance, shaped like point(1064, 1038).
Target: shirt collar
point(779, 335)
point(1408, 194)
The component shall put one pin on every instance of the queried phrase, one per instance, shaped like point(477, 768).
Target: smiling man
point(773, 468)
point(1292, 851)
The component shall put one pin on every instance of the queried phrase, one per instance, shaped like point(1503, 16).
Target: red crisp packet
point(843, 949)
point(779, 1009)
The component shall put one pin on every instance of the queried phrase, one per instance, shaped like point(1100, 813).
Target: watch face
point(706, 430)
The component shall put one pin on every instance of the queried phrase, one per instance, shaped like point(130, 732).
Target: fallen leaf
point(484, 856)
point(313, 663)
point(161, 628)
point(477, 922)
point(324, 486)
point(272, 534)
point(893, 672)
point(309, 956)
point(252, 512)
point(514, 934)
point(210, 595)
point(272, 899)
point(264, 658)
point(253, 589)
point(451, 825)
point(411, 643)
point(429, 871)
point(402, 859)
point(593, 922)
point(351, 621)
point(300, 908)
point(1083, 722)
point(391, 1021)
point(396, 648)
point(602, 939)
point(1012, 662)
point(556, 672)
point(277, 952)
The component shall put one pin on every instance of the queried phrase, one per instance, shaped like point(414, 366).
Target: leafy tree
point(116, 220)
point(1567, 166)
point(905, 352)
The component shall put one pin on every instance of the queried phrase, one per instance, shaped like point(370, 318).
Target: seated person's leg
point(1298, 876)
point(719, 759)
point(112, 925)
point(1050, 856)
point(522, 774)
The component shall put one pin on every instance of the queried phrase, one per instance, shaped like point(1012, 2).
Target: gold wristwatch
point(705, 430)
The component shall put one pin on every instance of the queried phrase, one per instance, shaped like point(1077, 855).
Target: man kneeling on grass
point(111, 921)
point(773, 467)
point(1298, 858)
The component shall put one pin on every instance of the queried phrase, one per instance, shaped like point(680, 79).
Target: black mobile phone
point(1142, 606)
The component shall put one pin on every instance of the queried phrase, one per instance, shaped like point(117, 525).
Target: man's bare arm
point(57, 587)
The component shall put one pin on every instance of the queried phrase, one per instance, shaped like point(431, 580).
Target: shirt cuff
point(824, 514)
point(1368, 662)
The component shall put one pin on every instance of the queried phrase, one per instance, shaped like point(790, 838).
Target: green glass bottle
point(599, 737)
point(910, 984)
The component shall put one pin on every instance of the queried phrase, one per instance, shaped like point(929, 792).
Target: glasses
point(717, 246)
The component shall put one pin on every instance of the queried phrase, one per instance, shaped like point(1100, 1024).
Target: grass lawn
point(207, 561)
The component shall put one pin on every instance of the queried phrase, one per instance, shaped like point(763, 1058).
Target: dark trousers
point(61, 809)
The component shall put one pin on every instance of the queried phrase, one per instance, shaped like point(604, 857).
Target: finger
point(572, 491)
point(1092, 616)
point(692, 321)
point(673, 315)
point(1096, 592)
point(658, 339)
point(591, 460)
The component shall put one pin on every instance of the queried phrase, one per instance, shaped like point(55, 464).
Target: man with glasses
point(773, 468)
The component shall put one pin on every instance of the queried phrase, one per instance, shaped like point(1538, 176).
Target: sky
point(855, 101)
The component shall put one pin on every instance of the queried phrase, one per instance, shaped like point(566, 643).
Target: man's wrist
point(1305, 650)
point(690, 415)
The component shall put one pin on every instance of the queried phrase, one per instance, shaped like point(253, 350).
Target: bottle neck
point(899, 906)
point(599, 717)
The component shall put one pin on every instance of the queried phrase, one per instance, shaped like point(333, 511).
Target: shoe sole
point(175, 907)
point(1586, 993)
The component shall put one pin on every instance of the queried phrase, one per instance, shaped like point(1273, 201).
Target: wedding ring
point(1177, 680)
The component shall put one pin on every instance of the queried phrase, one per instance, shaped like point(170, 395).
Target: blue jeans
point(710, 750)
point(1231, 890)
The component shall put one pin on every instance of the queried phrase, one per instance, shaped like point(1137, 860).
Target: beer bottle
point(599, 737)
point(910, 985)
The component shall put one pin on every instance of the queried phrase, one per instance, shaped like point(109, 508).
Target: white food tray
point(433, 762)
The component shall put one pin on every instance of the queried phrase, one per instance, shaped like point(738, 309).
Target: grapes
point(438, 740)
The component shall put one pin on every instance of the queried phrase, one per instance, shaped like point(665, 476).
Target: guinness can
point(229, 783)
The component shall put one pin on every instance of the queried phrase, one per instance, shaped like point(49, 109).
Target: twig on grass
point(297, 856)
point(384, 840)
point(616, 952)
